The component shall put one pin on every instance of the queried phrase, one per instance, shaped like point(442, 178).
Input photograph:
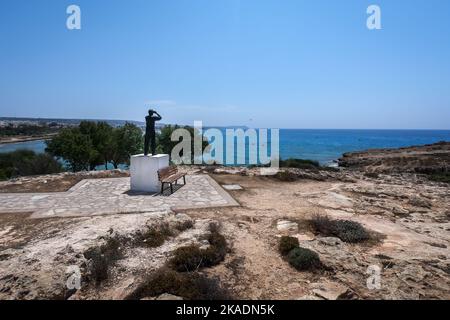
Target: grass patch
point(304, 259)
point(287, 244)
point(188, 285)
point(191, 258)
point(346, 230)
point(102, 257)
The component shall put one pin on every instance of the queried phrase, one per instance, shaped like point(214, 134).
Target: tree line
point(86, 147)
point(28, 130)
point(92, 144)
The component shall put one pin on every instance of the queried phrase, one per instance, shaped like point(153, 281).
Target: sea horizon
point(70, 119)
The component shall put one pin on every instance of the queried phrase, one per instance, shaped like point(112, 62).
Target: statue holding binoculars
point(150, 132)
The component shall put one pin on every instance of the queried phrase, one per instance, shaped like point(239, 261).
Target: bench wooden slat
point(170, 175)
point(172, 178)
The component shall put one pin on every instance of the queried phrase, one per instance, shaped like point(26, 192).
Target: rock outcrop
point(418, 159)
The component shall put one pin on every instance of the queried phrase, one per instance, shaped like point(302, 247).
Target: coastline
point(327, 147)
point(16, 139)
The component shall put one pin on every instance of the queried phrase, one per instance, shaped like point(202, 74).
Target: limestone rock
point(419, 202)
point(330, 241)
point(168, 296)
point(398, 211)
point(304, 237)
point(310, 297)
point(287, 227)
point(330, 290)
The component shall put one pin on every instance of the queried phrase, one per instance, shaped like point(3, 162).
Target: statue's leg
point(153, 142)
point(146, 144)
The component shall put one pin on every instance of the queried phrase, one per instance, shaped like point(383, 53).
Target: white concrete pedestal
point(144, 172)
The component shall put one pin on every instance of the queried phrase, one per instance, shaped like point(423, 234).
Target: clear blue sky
point(274, 63)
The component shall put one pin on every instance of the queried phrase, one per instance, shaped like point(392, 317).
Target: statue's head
point(151, 112)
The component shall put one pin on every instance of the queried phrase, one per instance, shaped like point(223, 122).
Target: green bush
point(188, 285)
point(303, 259)
point(350, 231)
point(287, 244)
point(346, 230)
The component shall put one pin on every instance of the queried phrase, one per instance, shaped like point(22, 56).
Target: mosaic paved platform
point(112, 196)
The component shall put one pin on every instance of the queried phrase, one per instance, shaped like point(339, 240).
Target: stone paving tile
point(112, 196)
point(232, 187)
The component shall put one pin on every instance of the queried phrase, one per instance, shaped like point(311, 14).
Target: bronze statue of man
point(150, 133)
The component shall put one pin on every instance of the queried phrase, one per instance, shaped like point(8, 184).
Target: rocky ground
point(419, 159)
point(408, 213)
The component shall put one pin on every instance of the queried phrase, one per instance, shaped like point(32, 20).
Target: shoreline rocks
point(426, 159)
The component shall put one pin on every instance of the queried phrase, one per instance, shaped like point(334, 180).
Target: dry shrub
point(188, 285)
point(346, 230)
point(184, 225)
point(102, 257)
point(154, 236)
point(191, 258)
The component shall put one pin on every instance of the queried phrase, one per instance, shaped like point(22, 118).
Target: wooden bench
point(170, 175)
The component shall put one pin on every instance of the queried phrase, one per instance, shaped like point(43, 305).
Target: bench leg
point(184, 179)
point(171, 188)
point(162, 187)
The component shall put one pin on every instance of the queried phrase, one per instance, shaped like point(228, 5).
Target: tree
point(101, 135)
point(75, 148)
point(165, 144)
point(25, 163)
point(95, 143)
point(127, 140)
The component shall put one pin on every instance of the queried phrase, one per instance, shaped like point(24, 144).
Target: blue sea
point(324, 146)
point(328, 145)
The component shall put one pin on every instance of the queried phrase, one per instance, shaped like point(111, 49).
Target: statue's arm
point(158, 116)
